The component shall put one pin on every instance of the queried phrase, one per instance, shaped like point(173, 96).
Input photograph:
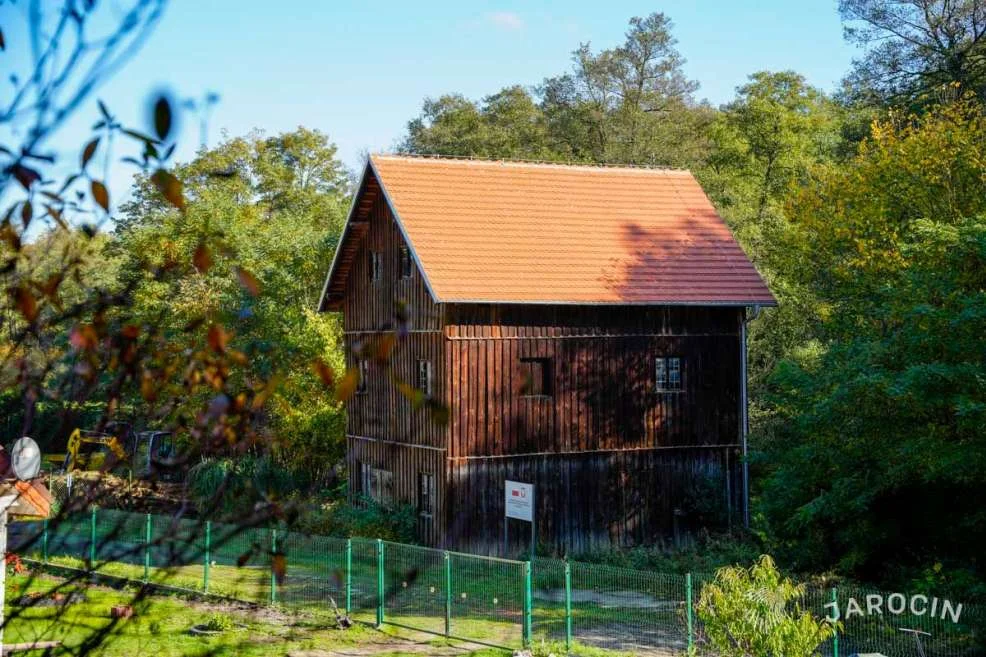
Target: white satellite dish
point(25, 459)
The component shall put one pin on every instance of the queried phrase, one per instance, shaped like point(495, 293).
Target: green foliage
point(261, 221)
point(243, 482)
point(629, 104)
point(875, 457)
point(703, 556)
point(754, 612)
point(915, 52)
point(219, 623)
point(366, 518)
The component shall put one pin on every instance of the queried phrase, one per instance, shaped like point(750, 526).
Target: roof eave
point(322, 305)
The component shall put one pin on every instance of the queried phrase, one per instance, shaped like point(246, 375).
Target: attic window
point(667, 374)
point(375, 266)
point(406, 268)
point(535, 377)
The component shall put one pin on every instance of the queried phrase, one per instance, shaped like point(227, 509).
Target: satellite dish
point(25, 459)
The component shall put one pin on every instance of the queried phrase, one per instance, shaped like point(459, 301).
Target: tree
point(875, 457)
point(261, 214)
point(631, 104)
point(765, 143)
point(507, 124)
point(755, 612)
point(635, 98)
point(916, 49)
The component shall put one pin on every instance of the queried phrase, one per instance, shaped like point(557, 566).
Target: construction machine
point(98, 450)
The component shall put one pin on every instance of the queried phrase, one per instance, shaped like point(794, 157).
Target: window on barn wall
point(426, 503)
point(377, 484)
point(358, 476)
point(364, 377)
point(535, 377)
point(667, 374)
point(424, 377)
point(406, 268)
point(375, 266)
point(365, 478)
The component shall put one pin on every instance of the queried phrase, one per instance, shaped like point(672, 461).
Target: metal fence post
point(527, 604)
point(349, 576)
point(448, 594)
point(44, 542)
point(208, 555)
point(273, 570)
point(688, 611)
point(835, 635)
point(147, 547)
point(92, 539)
point(568, 606)
point(380, 583)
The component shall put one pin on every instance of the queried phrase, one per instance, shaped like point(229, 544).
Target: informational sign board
point(519, 501)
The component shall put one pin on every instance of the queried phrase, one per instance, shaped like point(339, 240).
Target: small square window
point(377, 484)
point(375, 265)
point(364, 377)
point(406, 268)
point(536, 377)
point(424, 377)
point(667, 374)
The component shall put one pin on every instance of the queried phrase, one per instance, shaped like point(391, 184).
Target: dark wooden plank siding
point(594, 500)
point(372, 306)
point(603, 384)
point(406, 462)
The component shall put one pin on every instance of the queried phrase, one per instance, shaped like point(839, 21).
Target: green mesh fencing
point(482, 599)
point(487, 599)
point(363, 580)
point(625, 609)
point(414, 587)
point(314, 571)
point(890, 622)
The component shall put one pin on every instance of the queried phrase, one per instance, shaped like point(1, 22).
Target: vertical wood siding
point(614, 461)
point(406, 462)
point(383, 427)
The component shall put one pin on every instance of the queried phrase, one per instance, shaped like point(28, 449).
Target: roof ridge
point(566, 164)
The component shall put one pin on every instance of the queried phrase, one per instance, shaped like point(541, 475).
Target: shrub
point(244, 481)
point(366, 518)
point(754, 612)
point(219, 623)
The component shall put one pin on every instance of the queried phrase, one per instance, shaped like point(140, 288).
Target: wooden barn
point(583, 326)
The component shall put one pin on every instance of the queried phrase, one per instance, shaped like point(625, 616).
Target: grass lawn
point(161, 626)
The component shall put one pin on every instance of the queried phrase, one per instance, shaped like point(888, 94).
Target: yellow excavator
point(97, 450)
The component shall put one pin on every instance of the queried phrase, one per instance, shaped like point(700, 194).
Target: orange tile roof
point(500, 232)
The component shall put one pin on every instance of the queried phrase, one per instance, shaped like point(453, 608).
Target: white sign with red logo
point(520, 501)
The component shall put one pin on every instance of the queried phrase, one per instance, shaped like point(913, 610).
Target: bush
point(366, 518)
point(753, 612)
point(219, 623)
point(707, 554)
point(245, 481)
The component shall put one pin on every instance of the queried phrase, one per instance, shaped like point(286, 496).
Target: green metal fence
point(498, 602)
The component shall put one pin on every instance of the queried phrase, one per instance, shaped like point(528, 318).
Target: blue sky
point(358, 71)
